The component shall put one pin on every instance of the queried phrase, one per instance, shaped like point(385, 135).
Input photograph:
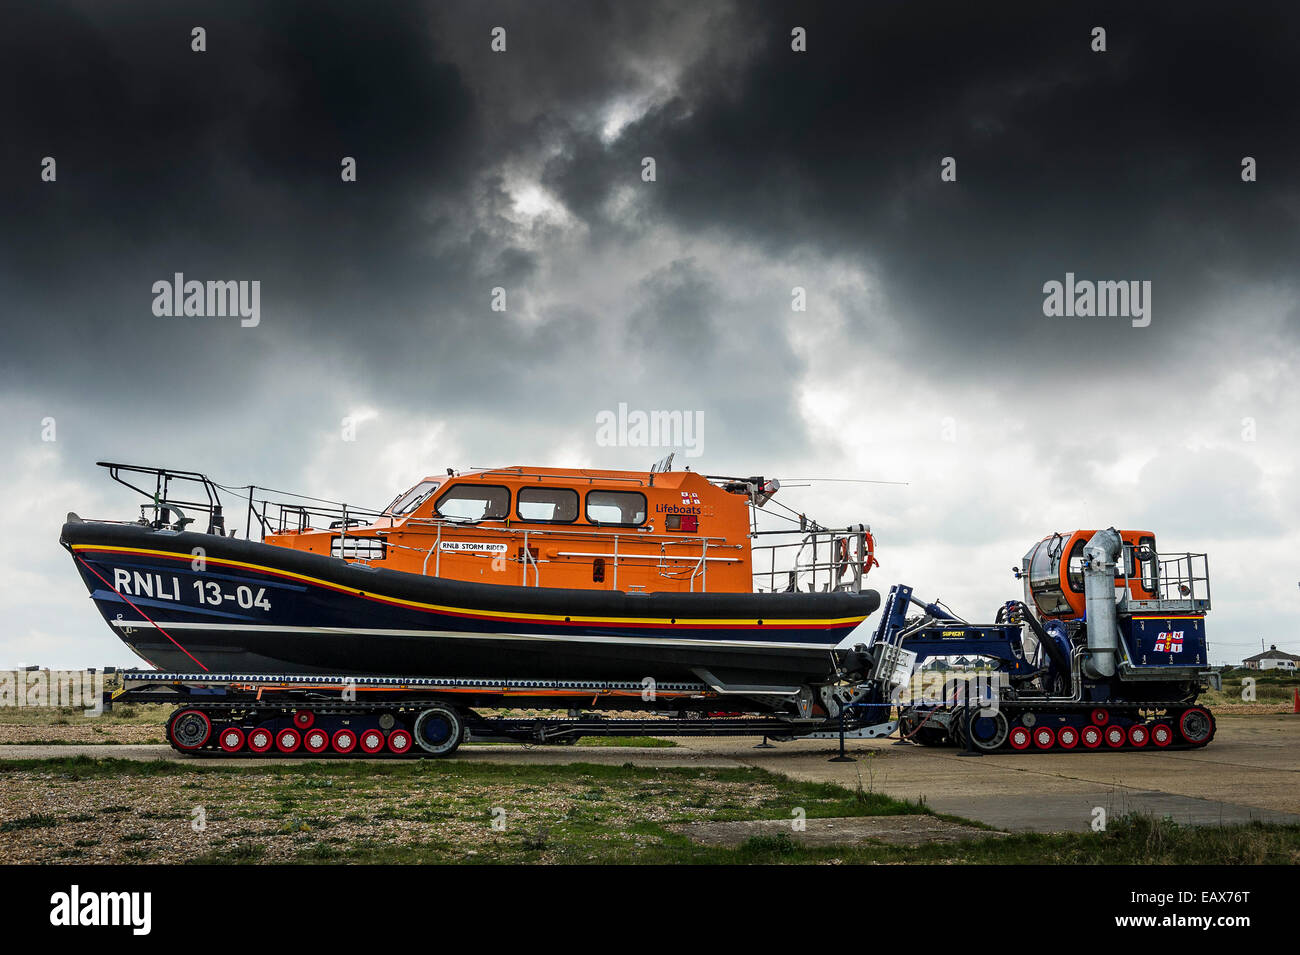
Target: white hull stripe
point(462, 635)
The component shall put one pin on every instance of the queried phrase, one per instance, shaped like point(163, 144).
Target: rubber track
point(1020, 707)
point(520, 730)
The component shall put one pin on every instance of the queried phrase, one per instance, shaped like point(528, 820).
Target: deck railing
point(817, 560)
point(682, 562)
point(1171, 577)
point(806, 558)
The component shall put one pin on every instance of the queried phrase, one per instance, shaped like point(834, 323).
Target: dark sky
point(924, 354)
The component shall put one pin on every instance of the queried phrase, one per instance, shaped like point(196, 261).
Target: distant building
point(1272, 659)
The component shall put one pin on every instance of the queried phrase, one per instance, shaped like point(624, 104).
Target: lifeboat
point(511, 573)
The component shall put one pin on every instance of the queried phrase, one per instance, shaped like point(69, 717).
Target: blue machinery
point(1126, 674)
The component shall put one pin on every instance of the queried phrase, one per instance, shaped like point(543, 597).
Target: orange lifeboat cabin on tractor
point(1053, 572)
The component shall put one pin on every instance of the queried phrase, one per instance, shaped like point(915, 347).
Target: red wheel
point(1162, 734)
point(1044, 737)
point(316, 740)
point(1197, 726)
point(260, 739)
point(1139, 735)
point(1100, 717)
point(231, 739)
point(1091, 736)
point(303, 719)
point(288, 739)
point(190, 729)
point(399, 741)
point(1115, 736)
point(1068, 737)
point(372, 740)
point(345, 741)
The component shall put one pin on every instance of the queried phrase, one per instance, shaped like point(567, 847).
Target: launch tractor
point(1107, 650)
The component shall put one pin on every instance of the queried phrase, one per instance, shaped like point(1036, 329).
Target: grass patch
point(35, 821)
point(240, 853)
point(132, 714)
point(1271, 687)
point(779, 844)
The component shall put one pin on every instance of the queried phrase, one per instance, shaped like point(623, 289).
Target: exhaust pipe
point(1100, 554)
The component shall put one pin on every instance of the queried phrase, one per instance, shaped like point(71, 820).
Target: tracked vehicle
point(620, 603)
point(1107, 650)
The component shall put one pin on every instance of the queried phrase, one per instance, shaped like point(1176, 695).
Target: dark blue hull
point(196, 602)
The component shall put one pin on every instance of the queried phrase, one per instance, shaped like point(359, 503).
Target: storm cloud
point(923, 355)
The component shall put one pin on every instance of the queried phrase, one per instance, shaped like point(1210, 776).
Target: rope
point(140, 612)
point(919, 726)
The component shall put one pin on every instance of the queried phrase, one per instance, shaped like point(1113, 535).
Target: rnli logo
point(1170, 642)
point(690, 505)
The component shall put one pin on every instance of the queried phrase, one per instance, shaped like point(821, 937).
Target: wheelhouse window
point(1124, 566)
point(547, 505)
point(413, 498)
point(1075, 570)
point(1045, 578)
point(475, 502)
point(1147, 545)
point(625, 508)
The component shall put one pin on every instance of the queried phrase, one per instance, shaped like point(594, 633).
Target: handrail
point(164, 502)
point(575, 476)
point(527, 558)
point(851, 552)
point(1181, 576)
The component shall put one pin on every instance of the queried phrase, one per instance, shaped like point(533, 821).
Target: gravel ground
point(87, 732)
point(52, 817)
point(1248, 709)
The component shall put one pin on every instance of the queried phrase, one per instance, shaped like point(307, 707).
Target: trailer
point(337, 716)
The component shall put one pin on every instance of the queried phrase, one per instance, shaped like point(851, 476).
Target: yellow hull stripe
point(462, 611)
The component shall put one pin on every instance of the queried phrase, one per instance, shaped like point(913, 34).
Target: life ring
point(841, 558)
point(869, 557)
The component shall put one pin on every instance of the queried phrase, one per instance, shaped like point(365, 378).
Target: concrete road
point(1250, 771)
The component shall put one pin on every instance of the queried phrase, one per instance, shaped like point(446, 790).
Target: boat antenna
point(812, 480)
